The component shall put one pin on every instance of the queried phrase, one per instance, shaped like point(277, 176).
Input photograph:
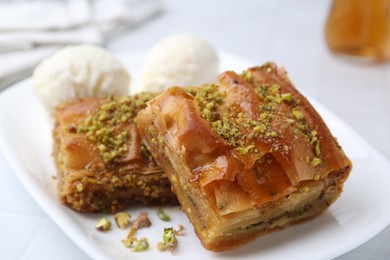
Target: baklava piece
point(102, 164)
point(245, 156)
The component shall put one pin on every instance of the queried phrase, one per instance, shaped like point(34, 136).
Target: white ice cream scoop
point(80, 71)
point(179, 60)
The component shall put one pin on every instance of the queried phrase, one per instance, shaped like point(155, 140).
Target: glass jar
point(359, 28)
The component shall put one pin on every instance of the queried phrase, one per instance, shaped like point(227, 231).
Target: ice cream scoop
point(179, 60)
point(80, 71)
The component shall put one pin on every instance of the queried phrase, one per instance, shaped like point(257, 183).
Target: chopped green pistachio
point(142, 245)
point(317, 149)
point(169, 240)
point(163, 215)
point(260, 128)
point(287, 97)
point(169, 236)
point(245, 150)
point(264, 115)
point(103, 224)
point(191, 91)
point(270, 98)
point(316, 161)
point(131, 232)
point(274, 89)
point(297, 114)
point(104, 124)
point(127, 242)
point(316, 177)
point(102, 148)
point(209, 98)
point(228, 130)
point(210, 105)
point(266, 67)
point(122, 219)
point(247, 75)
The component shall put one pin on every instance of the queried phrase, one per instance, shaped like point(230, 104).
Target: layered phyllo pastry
point(101, 160)
point(245, 156)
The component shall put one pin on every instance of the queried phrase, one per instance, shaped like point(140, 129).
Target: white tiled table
point(287, 32)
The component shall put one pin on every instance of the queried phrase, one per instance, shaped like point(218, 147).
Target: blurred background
point(288, 32)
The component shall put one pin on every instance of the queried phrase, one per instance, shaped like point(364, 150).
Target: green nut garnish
point(297, 114)
point(287, 97)
point(131, 233)
point(169, 240)
point(163, 215)
point(103, 224)
point(169, 236)
point(104, 126)
point(128, 242)
point(142, 245)
point(122, 219)
point(316, 161)
point(247, 75)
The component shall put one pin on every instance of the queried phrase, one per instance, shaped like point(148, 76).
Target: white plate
point(361, 212)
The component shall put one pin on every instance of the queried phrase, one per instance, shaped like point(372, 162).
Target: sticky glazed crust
point(102, 164)
point(245, 156)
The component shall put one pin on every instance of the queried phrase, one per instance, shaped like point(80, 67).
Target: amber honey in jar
point(359, 28)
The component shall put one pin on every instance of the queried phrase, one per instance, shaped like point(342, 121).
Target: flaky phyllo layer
point(242, 152)
point(102, 164)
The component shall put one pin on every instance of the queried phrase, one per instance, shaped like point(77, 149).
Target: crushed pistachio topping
point(122, 219)
point(131, 232)
point(247, 75)
point(240, 130)
point(267, 67)
point(169, 240)
point(142, 245)
point(163, 215)
point(169, 236)
point(130, 239)
point(103, 224)
point(128, 242)
point(297, 114)
point(315, 161)
point(228, 130)
point(310, 135)
point(105, 126)
point(209, 98)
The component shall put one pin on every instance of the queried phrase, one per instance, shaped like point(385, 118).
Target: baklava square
point(245, 156)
